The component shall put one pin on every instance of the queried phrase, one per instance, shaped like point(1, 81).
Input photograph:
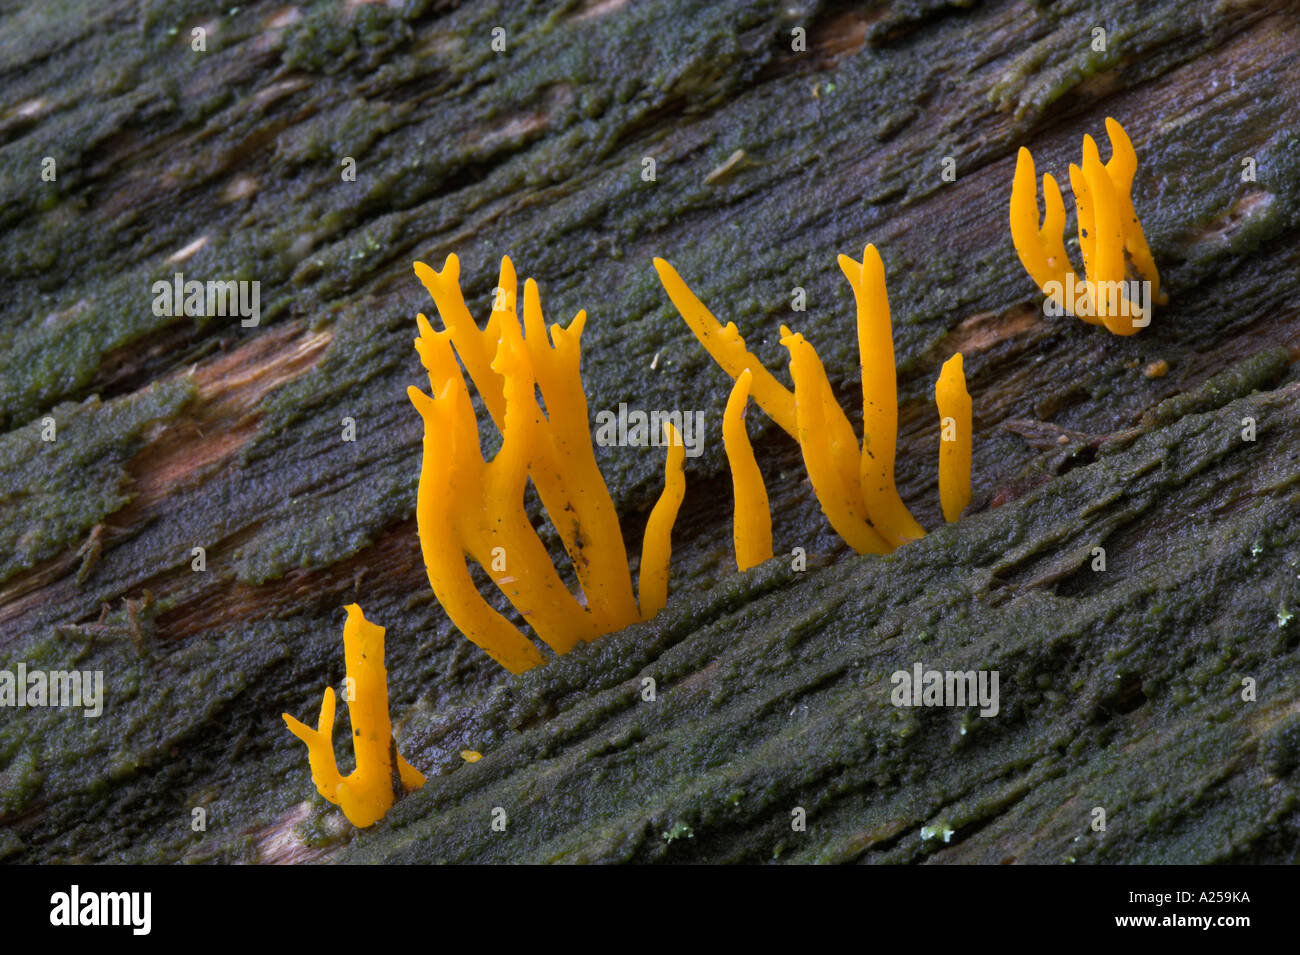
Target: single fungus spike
point(1106, 272)
point(839, 494)
point(1024, 221)
point(657, 544)
point(728, 349)
point(370, 790)
point(1052, 234)
point(504, 312)
point(835, 431)
point(752, 523)
point(1122, 167)
point(888, 513)
point(954, 438)
point(1084, 210)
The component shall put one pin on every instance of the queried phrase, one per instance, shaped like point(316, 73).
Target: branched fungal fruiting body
point(381, 774)
point(1108, 227)
point(470, 507)
point(855, 486)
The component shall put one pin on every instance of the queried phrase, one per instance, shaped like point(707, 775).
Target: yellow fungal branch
point(656, 547)
point(879, 398)
point(469, 507)
point(381, 774)
point(854, 485)
point(1108, 228)
point(752, 524)
point(829, 449)
point(954, 438)
point(728, 350)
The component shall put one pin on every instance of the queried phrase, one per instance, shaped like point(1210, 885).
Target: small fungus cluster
point(466, 506)
point(854, 485)
point(469, 507)
point(381, 774)
point(1108, 227)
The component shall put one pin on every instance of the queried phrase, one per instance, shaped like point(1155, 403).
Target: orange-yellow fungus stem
point(441, 544)
point(752, 523)
point(1024, 220)
point(370, 790)
point(1122, 167)
point(1052, 234)
point(1106, 274)
point(728, 350)
point(657, 544)
point(888, 513)
point(954, 438)
point(1084, 216)
point(839, 494)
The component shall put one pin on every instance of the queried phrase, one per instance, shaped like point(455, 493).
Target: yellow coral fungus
point(855, 486)
point(728, 349)
point(752, 524)
point(466, 506)
point(656, 546)
point(879, 398)
point(954, 438)
point(381, 773)
point(1108, 227)
point(825, 436)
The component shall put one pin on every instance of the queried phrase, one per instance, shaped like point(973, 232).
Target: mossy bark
point(1120, 689)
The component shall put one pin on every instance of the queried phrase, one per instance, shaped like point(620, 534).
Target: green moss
point(1279, 747)
point(19, 781)
point(55, 492)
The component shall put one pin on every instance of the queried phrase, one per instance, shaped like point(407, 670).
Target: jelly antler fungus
point(855, 486)
point(1108, 227)
point(752, 525)
point(466, 506)
point(954, 438)
point(879, 397)
point(381, 774)
point(656, 545)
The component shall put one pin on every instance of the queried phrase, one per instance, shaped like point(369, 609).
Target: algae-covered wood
point(1119, 689)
